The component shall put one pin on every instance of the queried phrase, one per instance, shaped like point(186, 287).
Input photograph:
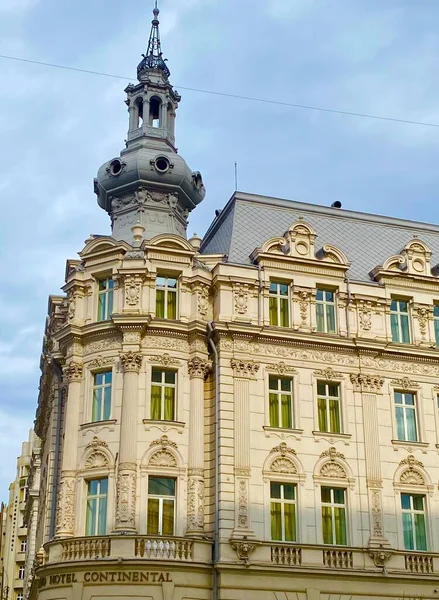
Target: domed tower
point(150, 182)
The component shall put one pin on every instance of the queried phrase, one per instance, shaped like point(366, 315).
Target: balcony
point(135, 548)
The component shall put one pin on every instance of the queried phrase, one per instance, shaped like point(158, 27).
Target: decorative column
point(244, 371)
point(198, 369)
point(369, 386)
point(127, 472)
point(65, 518)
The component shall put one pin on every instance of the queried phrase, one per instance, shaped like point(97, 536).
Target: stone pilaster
point(127, 472)
point(198, 369)
point(244, 371)
point(65, 518)
point(369, 386)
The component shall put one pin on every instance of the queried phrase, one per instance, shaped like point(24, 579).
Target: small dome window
point(162, 164)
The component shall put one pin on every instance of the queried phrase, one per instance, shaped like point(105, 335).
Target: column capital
point(131, 361)
point(73, 372)
point(244, 368)
point(370, 384)
point(199, 367)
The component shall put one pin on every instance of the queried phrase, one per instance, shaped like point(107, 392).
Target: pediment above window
point(296, 250)
point(414, 260)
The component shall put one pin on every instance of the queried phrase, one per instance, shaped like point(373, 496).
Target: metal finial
point(153, 59)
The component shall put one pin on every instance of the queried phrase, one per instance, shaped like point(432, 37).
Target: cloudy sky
point(57, 127)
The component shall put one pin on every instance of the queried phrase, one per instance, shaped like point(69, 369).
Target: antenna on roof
point(236, 176)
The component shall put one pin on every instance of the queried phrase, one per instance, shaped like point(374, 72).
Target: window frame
point(166, 276)
point(282, 501)
point(404, 407)
point(326, 304)
point(98, 496)
point(333, 505)
point(161, 499)
point(328, 398)
point(279, 393)
point(163, 385)
point(279, 297)
point(23, 541)
point(436, 322)
point(21, 572)
point(399, 314)
point(107, 293)
point(93, 386)
point(413, 512)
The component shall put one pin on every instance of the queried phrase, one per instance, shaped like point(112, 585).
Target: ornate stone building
point(251, 415)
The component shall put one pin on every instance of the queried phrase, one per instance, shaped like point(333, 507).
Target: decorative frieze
point(199, 367)
point(165, 360)
point(131, 361)
point(133, 337)
point(126, 496)
point(73, 372)
point(243, 368)
point(195, 504)
point(332, 454)
point(65, 514)
point(411, 462)
point(97, 443)
point(281, 369)
point(283, 449)
point(328, 374)
point(363, 382)
point(101, 362)
point(163, 442)
point(405, 383)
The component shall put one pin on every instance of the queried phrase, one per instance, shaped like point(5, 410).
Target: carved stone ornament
point(133, 290)
point(332, 470)
point(164, 442)
point(199, 367)
point(304, 299)
point(165, 360)
point(244, 368)
point(243, 549)
point(405, 383)
point(380, 557)
point(65, 515)
point(241, 298)
point(422, 313)
point(97, 443)
point(195, 504)
point(411, 475)
point(377, 515)
point(281, 368)
point(73, 372)
point(243, 520)
point(367, 383)
point(411, 462)
point(332, 454)
point(163, 458)
point(283, 449)
point(100, 362)
point(132, 337)
point(97, 460)
point(203, 300)
point(328, 374)
point(131, 361)
point(365, 316)
point(283, 465)
point(126, 498)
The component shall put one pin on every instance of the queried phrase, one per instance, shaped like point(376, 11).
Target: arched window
point(138, 112)
point(155, 107)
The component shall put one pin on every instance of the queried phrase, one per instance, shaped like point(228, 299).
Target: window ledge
point(97, 426)
point(409, 445)
point(282, 432)
point(332, 438)
point(163, 425)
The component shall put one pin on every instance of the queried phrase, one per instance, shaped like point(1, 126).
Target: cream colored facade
point(14, 530)
point(167, 468)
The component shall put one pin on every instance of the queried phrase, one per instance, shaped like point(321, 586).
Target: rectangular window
point(325, 310)
point(101, 409)
point(334, 516)
point(436, 323)
point(279, 304)
point(283, 511)
point(163, 388)
point(97, 491)
point(328, 407)
point(413, 521)
point(161, 506)
point(23, 545)
point(399, 320)
point(405, 412)
point(166, 297)
point(21, 572)
point(281, 402)
point(105, 299)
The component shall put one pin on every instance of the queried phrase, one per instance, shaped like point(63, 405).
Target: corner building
point(251, 415)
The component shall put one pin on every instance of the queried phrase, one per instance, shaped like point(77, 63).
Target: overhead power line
point(231, 95)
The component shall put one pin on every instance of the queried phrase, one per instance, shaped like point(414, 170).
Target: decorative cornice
point(328, 374)
point(73, 372)
point(332, 454)
point(131, 362)
point(100, 362)
point(281, 368)
point(405, 383)
point(244, 368)
point(163, 442)
point(367, 383)
point(283, 449)
point(97, 443)
point(199, 367)
point(411, 462)
point(165, 360)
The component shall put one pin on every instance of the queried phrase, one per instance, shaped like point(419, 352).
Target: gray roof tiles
point(367, 240)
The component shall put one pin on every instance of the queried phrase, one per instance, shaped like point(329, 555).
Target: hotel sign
point(110, 577)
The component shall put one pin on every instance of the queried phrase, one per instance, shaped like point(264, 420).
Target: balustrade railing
point(419, 563)
point(164, 549)
point(85, 548)
point(337, 558)
point(286, 555)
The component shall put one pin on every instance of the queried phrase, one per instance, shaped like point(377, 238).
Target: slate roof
point(368, 240)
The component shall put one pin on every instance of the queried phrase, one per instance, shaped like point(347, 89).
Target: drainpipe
point(59, 375)
point(210, 330)
point(260, 297)
point(348, 289)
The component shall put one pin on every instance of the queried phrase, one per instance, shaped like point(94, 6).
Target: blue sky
point(57, 127)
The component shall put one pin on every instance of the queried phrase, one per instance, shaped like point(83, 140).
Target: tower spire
point(153, 59)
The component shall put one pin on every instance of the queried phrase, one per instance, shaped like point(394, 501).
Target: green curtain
point(321, 407)
point(168, 517)
point(276, 521)
point(160, 304)
point(286, 411)
point(97, 402)
point(436, 327)
point(90, 526)
point(172, 305)
point(101, 307)
point(410, 415)
point(395, 328)
point(420, 532)
point(107, 403)
point(327, 525)
point(330, 318)
point(152, 526)
point(320, 317)
point(284, 313)
point(334, 416)
point(405, 329)
point(273, 312)
point(274, 410)
point(169, 404)
point(109, 304)
point(340, 526)
point(407, 528)
point(155, 402)
point(290, 522)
